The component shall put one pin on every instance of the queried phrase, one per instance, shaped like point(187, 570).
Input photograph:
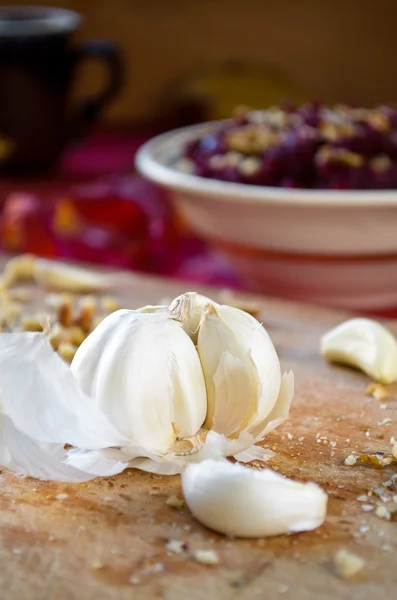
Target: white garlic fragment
point(249, 503)
point(365, 345)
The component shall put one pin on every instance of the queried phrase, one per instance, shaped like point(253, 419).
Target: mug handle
point(108, 53)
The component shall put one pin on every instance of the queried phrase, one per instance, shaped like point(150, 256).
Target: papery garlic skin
point(144, 373)
point(248, 503)
point(188, 309)
point(364, 344)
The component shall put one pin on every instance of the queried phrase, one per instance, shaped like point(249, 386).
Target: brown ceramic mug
point(37, 65)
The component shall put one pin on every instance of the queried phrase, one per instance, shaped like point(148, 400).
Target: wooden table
point(106, 539)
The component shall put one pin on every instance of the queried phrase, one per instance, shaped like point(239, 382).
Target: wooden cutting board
point(106, 539)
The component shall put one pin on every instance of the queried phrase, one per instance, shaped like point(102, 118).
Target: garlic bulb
point(244, 502)
point(365, 345)
point(155, 388)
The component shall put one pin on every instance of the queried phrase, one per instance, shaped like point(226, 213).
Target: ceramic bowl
point(337, 248)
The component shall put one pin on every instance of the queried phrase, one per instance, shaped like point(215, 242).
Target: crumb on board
point(206, 557)
point(382, 512)
point(350, 460)
point(62, 496)
point(156, 567)
point(347, 564)
point(394, 450)
point(385, 421)
point(175, 502)
point(176, 546)
point(377, 391)
point(367, 507)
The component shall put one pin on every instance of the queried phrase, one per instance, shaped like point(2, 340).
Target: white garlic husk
point(155, 388)
point(364, 344)
point(250, 503)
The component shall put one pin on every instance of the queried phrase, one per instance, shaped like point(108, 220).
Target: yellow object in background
point(219, 90)
point(6, 147)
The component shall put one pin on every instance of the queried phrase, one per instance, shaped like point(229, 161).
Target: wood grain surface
point(106, 539)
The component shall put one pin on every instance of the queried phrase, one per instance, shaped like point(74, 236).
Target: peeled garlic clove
point(241, 370)
point(365, 345)
point(243, 502)
point(145, 375)
point(60, 276)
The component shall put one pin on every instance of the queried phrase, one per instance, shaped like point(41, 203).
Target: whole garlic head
point(250, 503)
point(155, 388)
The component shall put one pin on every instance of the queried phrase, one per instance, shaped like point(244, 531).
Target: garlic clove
point(53, 275)
point(60, 276)
point(144, 373)
point(365, 345)
point(42, 398)
point(231, 382)
point(243, 502)
point(280, 410)
point(229, 338)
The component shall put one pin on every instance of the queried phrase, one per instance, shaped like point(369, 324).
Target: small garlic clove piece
point(364, 344)
point(248, 503)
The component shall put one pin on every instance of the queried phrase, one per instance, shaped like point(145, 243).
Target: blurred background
point(331, 49)
point(181, 63)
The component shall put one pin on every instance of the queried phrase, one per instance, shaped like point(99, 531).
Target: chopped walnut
point(249, 166)
point(65, 314)
point(333, 132)
point(32, 324)
point(67, 351)
point(381, 163)
point(378, 120)
point(376, 459)
point(326, 154)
